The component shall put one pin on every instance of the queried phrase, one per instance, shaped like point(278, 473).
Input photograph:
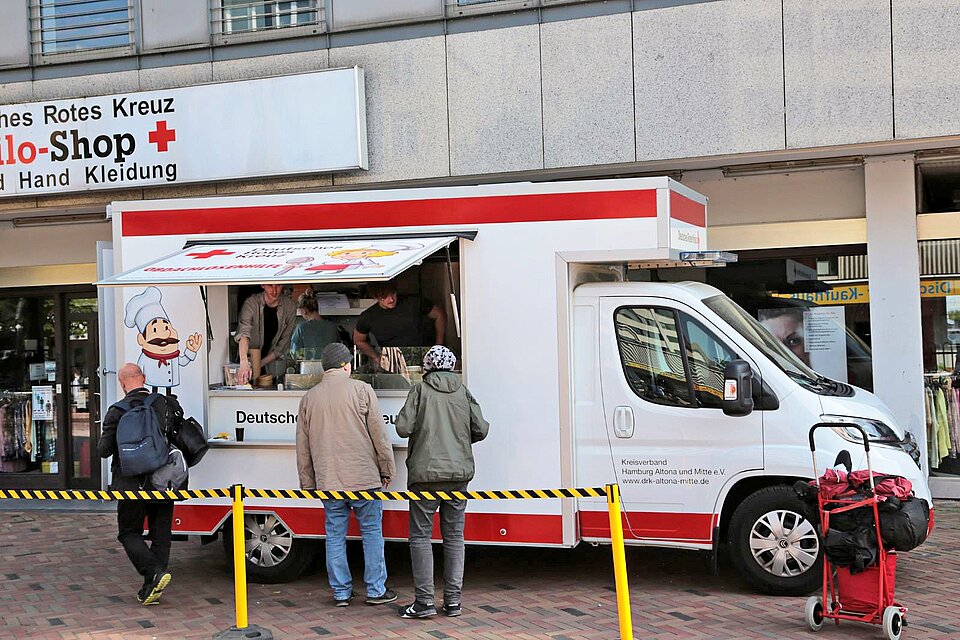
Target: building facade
point(826, 135)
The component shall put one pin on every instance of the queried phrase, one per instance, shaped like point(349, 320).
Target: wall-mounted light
point(72, 218)
point(793, 166)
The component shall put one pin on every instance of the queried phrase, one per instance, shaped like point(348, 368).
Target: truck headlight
point(876, 431)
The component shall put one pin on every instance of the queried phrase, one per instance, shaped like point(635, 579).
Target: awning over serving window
point(316, 261)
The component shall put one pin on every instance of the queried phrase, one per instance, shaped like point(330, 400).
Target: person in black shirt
point(398, 321)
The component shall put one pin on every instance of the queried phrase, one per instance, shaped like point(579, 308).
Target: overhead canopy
point(314, 261)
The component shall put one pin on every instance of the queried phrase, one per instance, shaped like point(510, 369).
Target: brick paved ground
point(63, 575)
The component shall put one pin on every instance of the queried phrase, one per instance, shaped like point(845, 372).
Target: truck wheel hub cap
point(784, 543)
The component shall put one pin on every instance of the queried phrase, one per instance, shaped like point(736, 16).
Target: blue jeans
point(370, 516)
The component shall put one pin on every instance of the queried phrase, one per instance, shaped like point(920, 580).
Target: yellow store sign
point(860, 293)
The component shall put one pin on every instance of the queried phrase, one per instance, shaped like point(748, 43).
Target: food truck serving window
point(283, 262)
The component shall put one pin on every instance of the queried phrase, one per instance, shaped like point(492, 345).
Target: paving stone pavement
point(64, 575)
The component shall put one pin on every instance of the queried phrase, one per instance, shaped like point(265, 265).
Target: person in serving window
point(314, 332)
point(397, 321)
point(265, 322)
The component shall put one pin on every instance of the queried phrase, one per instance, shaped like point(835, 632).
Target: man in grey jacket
point(342, 445)
point(442, 420)
point(266, 322)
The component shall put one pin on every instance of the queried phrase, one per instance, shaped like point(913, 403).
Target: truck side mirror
point(737, 388)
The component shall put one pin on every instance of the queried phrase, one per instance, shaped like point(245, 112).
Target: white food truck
point(586, 376)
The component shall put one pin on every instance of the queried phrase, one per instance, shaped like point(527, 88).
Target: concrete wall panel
point(588, 91)
point(287, 63)
point(709, 79)
point(16, 92)
point(496, 118)
point(173, 23)
point(100, 84)
point(184, 75)
point(347, 14)
point(838, 73)
point(406, 108)
point(926, 55)
point(14, 35)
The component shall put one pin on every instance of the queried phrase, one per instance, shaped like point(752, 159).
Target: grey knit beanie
point(334, 356)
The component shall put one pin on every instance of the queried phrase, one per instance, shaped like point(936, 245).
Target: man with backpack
point(135, 432)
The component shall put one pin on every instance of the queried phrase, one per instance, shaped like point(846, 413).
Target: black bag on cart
point(856, 550)
point(904, 528)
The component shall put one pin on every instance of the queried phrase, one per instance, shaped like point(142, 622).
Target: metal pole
point(619, 562)
point(239, 557)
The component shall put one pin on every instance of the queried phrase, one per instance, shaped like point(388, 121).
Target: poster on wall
point(42, 403)
point(816, 335)
point(953, 318)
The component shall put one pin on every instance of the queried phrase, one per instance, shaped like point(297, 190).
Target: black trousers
point(159, 516)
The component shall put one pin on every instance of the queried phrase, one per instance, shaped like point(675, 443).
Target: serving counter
point(269, 416)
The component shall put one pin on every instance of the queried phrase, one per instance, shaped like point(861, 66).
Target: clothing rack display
point(942, 411)
point(16, 427)
point(24, 442)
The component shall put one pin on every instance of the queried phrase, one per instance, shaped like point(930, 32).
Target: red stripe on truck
point(588, 205)
point(308, 521)
point(687, 210)
point(687, 527)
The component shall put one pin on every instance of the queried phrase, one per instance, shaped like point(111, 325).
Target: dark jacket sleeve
point(107, 444)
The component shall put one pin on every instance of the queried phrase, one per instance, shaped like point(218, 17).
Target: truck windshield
point(759, 337)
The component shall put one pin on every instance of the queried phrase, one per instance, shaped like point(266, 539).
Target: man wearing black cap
point(342, 445)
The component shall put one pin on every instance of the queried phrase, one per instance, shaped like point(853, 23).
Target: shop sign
point(307, 123)
point(860, 293)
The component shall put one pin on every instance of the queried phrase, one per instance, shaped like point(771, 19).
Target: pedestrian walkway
point(63, 575)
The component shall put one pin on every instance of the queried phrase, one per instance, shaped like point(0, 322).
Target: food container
point(302, 381)
point(265, 381)
point(311, 367)
point(230, 372)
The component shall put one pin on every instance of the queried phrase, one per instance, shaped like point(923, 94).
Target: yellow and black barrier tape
point(502, 494)
point(186, 494)
point(82, 494)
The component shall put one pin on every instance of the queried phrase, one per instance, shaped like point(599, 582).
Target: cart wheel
point(814, 613)
point(892, 623)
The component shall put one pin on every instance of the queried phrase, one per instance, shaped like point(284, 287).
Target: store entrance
point(83, 422)
point(49, 398)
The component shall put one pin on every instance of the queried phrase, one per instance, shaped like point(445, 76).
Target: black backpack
point(141, 444)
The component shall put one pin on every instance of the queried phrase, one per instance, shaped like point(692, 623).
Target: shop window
point(72, 26)
point(650, 352)
point(28, 387)
point(243, 16)
point(708, 357)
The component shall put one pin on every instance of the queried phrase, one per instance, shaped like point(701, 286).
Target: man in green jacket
point(442, 420)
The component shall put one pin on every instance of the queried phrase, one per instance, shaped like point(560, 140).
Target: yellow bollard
point(619, 562)
point(239, 558)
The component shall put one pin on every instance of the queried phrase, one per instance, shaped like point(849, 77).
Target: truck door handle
point(623, 422)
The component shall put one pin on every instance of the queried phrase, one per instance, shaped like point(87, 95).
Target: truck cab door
point(672, 447)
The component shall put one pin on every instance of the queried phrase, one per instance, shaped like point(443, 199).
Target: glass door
point(83, 391)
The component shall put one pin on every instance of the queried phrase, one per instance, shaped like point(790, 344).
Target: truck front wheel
point(273, 554)
point(774, 545)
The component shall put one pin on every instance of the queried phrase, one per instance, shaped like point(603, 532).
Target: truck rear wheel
point(273, 553)
point(774, 545)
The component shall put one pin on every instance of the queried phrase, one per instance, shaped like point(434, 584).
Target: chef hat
point(144, 307)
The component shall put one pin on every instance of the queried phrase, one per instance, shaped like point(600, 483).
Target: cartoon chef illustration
point(161, 356)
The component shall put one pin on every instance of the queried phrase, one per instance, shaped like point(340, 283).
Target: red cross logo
point(161, 136)
point(210, 254)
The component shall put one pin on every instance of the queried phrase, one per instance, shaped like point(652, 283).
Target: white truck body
point(540, 284)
